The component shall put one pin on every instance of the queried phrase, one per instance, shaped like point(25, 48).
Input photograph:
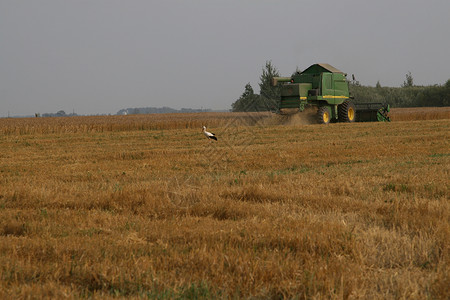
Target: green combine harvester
point(326, 87)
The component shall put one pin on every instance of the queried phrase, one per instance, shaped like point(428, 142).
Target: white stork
point(209, 135)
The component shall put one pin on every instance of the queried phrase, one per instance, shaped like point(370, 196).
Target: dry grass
point(308, 211)
point(420, 113)
point(22, 126)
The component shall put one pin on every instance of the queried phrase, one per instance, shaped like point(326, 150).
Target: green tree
point(270, 95)
point(435, 95)
point(248, 100)
point(61, 113)
point(408, 81)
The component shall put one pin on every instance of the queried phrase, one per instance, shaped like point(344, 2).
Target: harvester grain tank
point(325, 87)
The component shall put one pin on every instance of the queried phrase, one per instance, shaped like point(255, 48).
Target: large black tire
point(323, 115)
point(347, 112)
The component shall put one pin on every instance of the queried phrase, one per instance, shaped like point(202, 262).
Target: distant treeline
point(126, 111)
point(405, 96)
point(158, 110)
point(60, 113)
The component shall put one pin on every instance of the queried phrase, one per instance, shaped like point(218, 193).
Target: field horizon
point(143, 206)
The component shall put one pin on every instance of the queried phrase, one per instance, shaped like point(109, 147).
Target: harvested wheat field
point(147, 207)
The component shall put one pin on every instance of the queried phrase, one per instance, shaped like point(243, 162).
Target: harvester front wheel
point(347, 112)
point(323, 115)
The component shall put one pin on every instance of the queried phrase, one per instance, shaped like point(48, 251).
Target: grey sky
point(99, 56)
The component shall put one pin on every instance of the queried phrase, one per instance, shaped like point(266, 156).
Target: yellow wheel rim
point(326, 117)
point(351, 114)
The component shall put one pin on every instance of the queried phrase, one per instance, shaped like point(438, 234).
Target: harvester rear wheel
point(347, 112)
point(323, 115)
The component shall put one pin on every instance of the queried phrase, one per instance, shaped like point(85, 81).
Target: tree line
point(408, 95)
point(405, 96)
point(158, 110)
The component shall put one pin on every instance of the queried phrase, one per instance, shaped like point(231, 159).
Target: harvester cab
point(325, 87)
